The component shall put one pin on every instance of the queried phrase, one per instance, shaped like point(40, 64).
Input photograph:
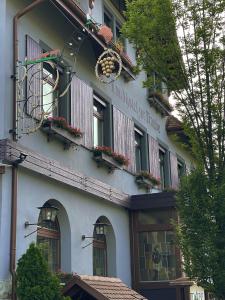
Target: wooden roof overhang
point(152, 201)
point(77, 15)
point(175, 126)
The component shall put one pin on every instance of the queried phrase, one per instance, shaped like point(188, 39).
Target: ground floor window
point(99, 258)
point(157, 256)
point(48, 238)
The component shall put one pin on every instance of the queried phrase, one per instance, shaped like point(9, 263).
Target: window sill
point(106, 161)
point(54, 132)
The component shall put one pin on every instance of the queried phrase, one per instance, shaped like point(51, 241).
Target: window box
point(160, 103)
point(146, 180)
point(143, 182)
point(107, 161)
point(106, 157)
point(57, 128)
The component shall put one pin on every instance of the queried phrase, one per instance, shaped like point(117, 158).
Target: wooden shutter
point(174, 171)
point(82, 109)
point(34, 79)
point(123, 134)
point(154, 157)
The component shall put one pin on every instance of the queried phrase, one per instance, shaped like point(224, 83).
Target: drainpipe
point(16, 18)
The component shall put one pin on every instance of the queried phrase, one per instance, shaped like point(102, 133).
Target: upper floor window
point(119, 4)
point(48, 86)
point(162, 167)
point(158, 85)
point(108, 20)
point(111, 21)
point(138, 149)
point(99, 124)
point(180, 169)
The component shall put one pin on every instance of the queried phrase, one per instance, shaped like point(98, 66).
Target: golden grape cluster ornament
point(108, 66)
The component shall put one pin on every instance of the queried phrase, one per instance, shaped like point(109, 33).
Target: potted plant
point(106, 156)
point(146, 180)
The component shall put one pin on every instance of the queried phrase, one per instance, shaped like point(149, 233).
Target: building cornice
point(52, 169)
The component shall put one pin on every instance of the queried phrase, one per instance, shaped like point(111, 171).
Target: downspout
point(16, 18)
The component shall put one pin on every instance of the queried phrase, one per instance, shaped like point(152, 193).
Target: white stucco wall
point(83, 211)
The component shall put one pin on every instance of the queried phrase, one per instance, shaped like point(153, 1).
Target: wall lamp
point(100, 229)
point(48, 214)
point(19, 160)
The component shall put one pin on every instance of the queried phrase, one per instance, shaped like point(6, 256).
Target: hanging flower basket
point(104, 156)
point(58, 128)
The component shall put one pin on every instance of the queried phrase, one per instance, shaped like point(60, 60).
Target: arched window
point(48, 238)
point(99, 253)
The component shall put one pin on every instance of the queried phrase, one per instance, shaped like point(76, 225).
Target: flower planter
point(143, 182)
point(55, 132)
point(107, 161)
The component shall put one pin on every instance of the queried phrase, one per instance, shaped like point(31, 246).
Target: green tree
point(184, 41)
point(34, 281)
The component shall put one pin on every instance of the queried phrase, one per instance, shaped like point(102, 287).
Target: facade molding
point(10, 151)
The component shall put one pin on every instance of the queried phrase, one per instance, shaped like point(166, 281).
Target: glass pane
point(156, 216)
point(108, 20)
point(98, 131)
point(162, 168)
point(138, 159)
point(50, 250)
point(95, 128)
point(99, 261)
point(138, 154)
point(48, 99)
point(157, 257)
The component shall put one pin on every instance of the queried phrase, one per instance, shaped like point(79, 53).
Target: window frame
point(51, 234)
point(139, 227)
point(108, 121)
point(63, 108)
point(116, 24)
point(138, 146)
point(167, 176)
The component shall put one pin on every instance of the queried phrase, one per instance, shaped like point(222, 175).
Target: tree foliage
point(201, 232)
point(184, 41)
point(34, 281)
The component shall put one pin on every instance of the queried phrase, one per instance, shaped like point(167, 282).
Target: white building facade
point(41, 165)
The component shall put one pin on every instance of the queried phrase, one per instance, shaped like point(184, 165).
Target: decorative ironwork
point(108, 66)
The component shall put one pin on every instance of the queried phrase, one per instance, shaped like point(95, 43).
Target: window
point(55, 74)
point(99, 124)
point(115, 25)
point(180, 169)
point(49, 82)
point(158, 85)
point(158, 255)
point(120, 5)
point(138, 149)
point(99, 255)
point(48, 238)
point(162, 166)
point(108, 20)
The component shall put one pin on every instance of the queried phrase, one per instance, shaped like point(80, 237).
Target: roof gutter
point(16, 18)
